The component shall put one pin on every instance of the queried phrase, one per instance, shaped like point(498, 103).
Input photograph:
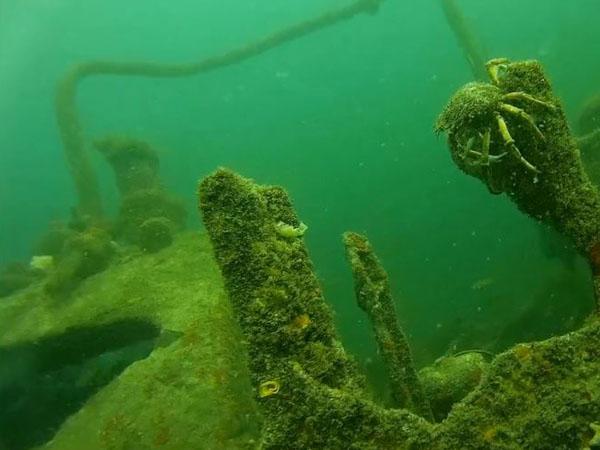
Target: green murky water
point(342, 118)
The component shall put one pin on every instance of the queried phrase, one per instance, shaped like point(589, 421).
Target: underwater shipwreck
point(133, 332)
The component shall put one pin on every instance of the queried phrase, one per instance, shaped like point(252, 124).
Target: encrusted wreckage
point(512, 134)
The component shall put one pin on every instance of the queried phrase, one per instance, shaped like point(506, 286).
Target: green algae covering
point(308, 387)
point(151, 343)
point(191, 391)
point(540, 395)
point(191, 388)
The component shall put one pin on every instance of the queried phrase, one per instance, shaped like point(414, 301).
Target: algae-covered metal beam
point(308, 388)
point(466, 38)
point(65, 104)
point(374, 297)
point(512, 134)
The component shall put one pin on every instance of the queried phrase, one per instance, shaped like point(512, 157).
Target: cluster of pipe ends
point(511, 133)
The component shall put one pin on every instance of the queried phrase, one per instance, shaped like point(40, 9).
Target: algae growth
point(189, 389)
point(127, 330)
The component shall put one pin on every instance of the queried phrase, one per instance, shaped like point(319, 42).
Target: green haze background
point(342, 118)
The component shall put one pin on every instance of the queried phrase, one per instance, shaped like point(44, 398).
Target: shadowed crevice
point(42, 383)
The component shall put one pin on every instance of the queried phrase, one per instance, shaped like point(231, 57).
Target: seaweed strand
point(466, 38)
